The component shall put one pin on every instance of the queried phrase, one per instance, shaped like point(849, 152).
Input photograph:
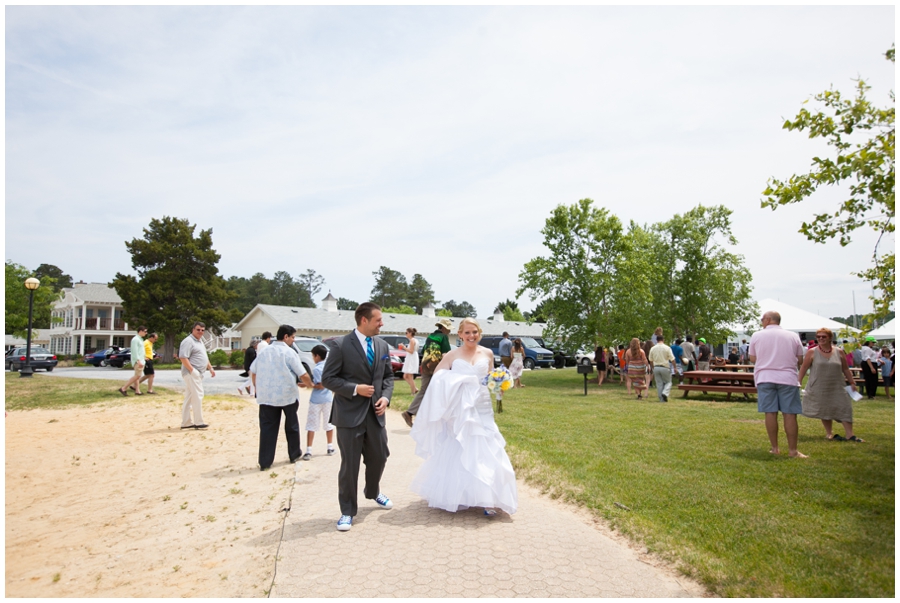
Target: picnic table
point(732, 367)
point(719, 381)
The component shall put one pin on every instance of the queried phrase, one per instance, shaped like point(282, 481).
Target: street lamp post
point(31, 284)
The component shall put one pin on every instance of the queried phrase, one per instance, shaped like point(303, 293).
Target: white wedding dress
point(465, 457)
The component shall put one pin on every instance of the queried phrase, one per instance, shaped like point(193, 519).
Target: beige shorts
point(139, 369)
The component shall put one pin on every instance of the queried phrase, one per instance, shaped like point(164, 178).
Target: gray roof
point(95, 292)
point(343, 321)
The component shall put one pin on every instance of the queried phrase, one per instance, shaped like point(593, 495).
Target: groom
point(358, 371)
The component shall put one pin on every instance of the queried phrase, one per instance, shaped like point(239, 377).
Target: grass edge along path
point(702, 490)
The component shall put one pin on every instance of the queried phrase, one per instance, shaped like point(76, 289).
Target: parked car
point(397, 356)
point(303, 346)
point(535, 355)
point(585, 358)
point(394, 342)
point(123, 357)
point(559, 349)
point(101, 357)
point(41, 358)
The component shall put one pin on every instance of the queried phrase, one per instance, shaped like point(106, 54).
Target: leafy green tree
point(346, 304)
point(17, 300)
point(419, 293)
point(177, 282)
point(510, 310)
point(61, 279)
point(390, 288)
point(539, 314)
point(583, 278)
point(862, 136)
point(462, 309)
point(445, 312)
point(310, 283)
point(699, 286)
point(402, 309)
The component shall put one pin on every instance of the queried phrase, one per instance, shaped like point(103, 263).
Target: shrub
point(218, 358)
point(237, 358)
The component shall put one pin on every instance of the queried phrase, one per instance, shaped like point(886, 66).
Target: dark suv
point(535, 355)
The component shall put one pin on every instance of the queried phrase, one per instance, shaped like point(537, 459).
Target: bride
point(465, 460)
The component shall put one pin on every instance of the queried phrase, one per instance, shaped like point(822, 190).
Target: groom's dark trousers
point(360, 432)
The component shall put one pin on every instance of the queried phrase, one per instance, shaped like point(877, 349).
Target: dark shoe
point(123, 391)
point(855, 439)
point(665, 398)
point(408, 418)
point(264, 468)
point(837, 438)
point(201, 426)
point(294, 460)
point(188, 426)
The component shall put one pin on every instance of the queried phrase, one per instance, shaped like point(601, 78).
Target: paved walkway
point(545, 550)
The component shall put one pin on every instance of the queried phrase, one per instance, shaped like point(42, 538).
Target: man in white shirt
point(869, 366)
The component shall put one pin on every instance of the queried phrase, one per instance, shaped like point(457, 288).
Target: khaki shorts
point(139, 369)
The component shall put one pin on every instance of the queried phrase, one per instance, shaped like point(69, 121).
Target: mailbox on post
point(585, 369)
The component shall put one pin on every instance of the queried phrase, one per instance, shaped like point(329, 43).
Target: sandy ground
point(117, 501)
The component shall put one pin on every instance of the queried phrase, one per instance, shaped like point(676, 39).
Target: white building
point(90, 319)
point(328, 321)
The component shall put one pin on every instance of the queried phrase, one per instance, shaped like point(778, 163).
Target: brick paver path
point(544, 550)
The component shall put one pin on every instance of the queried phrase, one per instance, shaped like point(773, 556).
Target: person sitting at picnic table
point(826, 397)
point(636, 363)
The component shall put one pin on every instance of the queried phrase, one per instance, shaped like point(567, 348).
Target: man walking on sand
point(137, 361)
point(149, 371)
point(192, 354)
point(777, 355)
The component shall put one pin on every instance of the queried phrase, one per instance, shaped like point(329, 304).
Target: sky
point(431, 140)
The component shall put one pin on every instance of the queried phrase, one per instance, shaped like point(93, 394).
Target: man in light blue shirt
point(275, 374)
point(505, 350)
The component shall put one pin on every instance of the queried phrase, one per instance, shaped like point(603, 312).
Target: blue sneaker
point(344, 523)
point(384, 502)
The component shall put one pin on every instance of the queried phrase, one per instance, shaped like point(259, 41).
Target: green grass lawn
point(703, 490)
point(41, 391)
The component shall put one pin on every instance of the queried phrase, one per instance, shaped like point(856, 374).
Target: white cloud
point(291, 130)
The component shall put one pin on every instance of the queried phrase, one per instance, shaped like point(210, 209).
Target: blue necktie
point(370, 351)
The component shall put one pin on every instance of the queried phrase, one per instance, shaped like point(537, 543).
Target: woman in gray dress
point(826, 397)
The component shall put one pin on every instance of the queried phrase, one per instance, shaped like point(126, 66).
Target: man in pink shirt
point(777, 355)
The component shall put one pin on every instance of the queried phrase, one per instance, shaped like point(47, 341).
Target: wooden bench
point(723, 389)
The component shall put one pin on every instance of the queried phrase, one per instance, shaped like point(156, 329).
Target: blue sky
point(432, 140)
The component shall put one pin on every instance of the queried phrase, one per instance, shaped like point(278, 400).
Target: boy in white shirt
point(319, 405)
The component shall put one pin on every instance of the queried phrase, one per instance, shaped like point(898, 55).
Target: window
point(87, 344)
point(119, 342)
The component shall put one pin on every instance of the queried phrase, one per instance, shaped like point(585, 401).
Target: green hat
point(870, 338)
point(701, 339)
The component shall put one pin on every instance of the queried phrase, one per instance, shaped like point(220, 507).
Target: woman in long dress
point(636, 361)
point(518, 363)
point(465, 458)
point(826, 397)
point(411, 364)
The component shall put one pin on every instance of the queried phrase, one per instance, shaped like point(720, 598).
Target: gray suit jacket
point(345, 367)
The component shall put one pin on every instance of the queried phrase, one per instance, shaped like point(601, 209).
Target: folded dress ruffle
point(465, 458)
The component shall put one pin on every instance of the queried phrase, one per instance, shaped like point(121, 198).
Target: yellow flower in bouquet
point(499, 378)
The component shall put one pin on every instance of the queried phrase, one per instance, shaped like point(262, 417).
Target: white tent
point(800, 321)
point(792, 319)
point(885, 331)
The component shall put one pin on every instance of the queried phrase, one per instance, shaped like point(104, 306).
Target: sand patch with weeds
point(115, 500)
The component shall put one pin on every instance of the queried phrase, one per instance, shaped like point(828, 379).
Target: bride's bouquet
point(498, 379)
